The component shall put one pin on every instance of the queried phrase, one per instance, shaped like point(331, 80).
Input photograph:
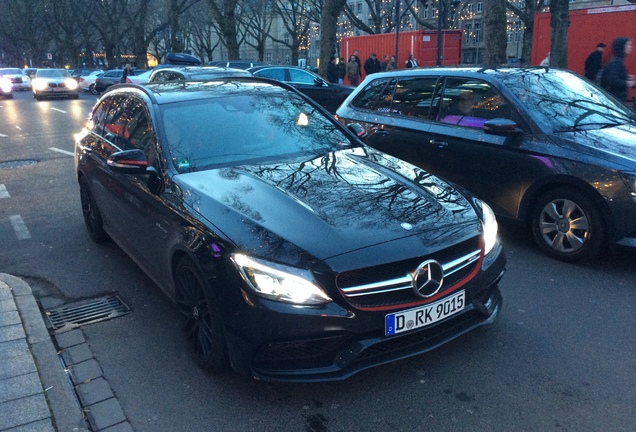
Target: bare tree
point(526, 15)
point(331, 10)
point(224, 13)
point(495, 32)
point(295, 17)
point(255, 21)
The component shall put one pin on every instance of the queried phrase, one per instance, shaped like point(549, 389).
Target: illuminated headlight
point(39, 84)
point(630, 182)
point(490, 227)
point(71, 84)
point(279, 282)
point(5, 85)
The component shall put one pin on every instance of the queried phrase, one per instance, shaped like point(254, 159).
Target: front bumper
point(337, 342)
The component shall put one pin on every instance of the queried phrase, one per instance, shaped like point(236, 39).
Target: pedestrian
point(594, 62)
point(614, 78)
point(353, 71)
point(342, 70)
point(411, 62)
point(332, 70)
point(384, 63)
point(127, 72)
point(546, 61)
point(392, 64)
point(355, 54)
point(372, 65)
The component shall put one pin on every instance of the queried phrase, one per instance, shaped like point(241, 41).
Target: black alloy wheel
point(91, 89)
point(568, 226)
point(92, 216)
point(202, 323)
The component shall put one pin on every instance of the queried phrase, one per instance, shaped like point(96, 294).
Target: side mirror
point(501, 126)
point(358, 130)
point(128, 162)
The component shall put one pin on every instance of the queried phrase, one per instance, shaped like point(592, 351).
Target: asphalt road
point(561, 356)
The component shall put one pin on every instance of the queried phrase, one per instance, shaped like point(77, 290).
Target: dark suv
point(542, 146)
point(292, 250)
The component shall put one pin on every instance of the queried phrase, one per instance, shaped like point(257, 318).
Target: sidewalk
point(35, 392)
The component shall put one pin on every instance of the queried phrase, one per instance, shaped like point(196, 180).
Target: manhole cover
point(73, 315)
point(17, 163)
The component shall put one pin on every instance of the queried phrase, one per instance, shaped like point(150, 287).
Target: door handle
point(439, 144)
point(380, 132)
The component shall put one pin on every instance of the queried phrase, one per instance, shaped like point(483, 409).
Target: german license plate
point(423, 316)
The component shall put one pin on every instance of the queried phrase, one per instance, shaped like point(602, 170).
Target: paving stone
point(85, 372)
point(5, 292)
point(39, 426)
point(76, 354)
point(70, 338)
point(12, 332)
point(13, 348)
point(20, 386)
point(121, 427)
point(23, 411)
point(94, 391)
point(16, 366)
point(7, 305)
point(10, 318)
point(105, 414)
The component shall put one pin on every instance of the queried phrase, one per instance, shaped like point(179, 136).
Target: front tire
point(92, 216)
point(567, 225)
point(92, 90)
point(201, 317)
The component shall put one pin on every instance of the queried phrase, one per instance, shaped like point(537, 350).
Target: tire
point(202, 322)
point(92, 216)
point(91, 89)
point(567, 225)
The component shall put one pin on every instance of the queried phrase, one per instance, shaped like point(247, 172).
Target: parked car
point(542, 146)
point(87, 82)
point(236, 64)
point(6, 88)
point(329, 95)
point(18, 80)
point(140, 76)
point(80, 72)
point(292, 250)
point(54, 83)
point(199, 73)
point(109, 78)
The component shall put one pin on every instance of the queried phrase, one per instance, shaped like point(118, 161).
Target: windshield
point(10, 71)
point(256, 126)
point(561, 101)
point(53, 73)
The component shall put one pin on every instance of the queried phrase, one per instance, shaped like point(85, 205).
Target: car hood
point(330, 205)
point(615, 144)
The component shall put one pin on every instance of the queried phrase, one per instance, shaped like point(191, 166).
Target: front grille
point(16, 80)
point(389, 285)
point(53, 85)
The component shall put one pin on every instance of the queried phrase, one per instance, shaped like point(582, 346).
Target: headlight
point(39, 84)
point(279, 282)
point(630, 182)
point(490, 227)
point(71, 84)
point(5, 85)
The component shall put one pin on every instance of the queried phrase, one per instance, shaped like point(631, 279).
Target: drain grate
point(73, 315)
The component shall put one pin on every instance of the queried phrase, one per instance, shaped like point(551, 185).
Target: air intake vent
point(70, 316)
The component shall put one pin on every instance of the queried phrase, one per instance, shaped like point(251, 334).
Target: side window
point(376, 96)
point(470, 103)
point(274, 73)
point(116, 122)
point(300, 77)
point(414, 97)
point(98, 117)
point(138, 132)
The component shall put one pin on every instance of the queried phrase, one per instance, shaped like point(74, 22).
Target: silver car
point(54, 83)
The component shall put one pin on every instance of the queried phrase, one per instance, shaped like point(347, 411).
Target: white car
point(19, 81)
point(141, 78)
point(87, 82)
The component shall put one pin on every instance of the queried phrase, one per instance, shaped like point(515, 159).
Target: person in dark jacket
point(615, 78)
point(332, 71)
point(594, 62)
point(372, 65)
point(127, 72)
point(342, 70)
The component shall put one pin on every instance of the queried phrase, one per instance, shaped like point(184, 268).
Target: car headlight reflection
point(490, 227)
point(278, 282)
point(39, 84)
point(71, 84)
point(5, 85)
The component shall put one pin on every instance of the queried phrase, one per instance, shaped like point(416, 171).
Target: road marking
point(20, 228)
point(4, 193)
point(59, 110)
point(18, 127)
point(3, 135)
point(62, 151)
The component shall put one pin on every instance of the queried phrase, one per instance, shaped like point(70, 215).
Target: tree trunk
point(559, 23)
point(495, 40)
point(331, 9)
